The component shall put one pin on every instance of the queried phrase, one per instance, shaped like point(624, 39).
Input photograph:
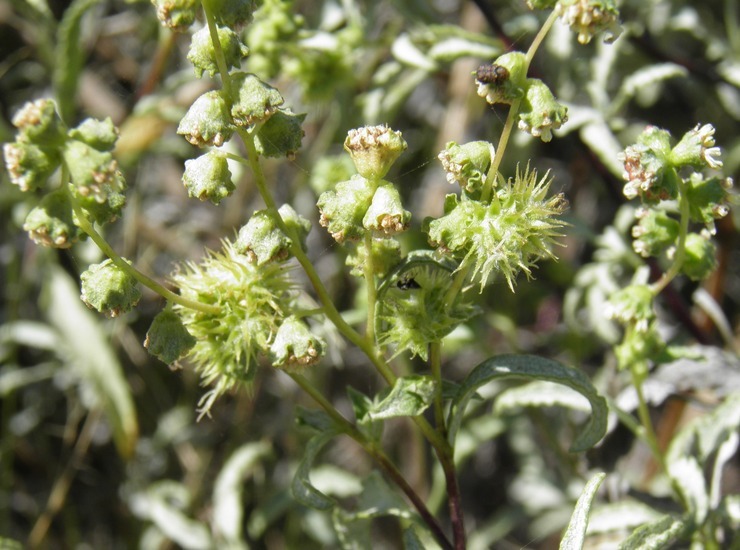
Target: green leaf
point(689, 477)
point(656, 535)
point(89, 353)
point(362, 406)
point(410, 396)
point(315, 419)
point(303, 490)
point(228, 510)
point(620, 516)
point(576, 531)
point(540, 394)
point(530, 367)
point(69, 57)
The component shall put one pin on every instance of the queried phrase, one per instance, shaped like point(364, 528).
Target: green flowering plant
point(268, 307)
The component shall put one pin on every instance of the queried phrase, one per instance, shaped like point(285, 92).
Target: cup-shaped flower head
point(697, 149)
point(98, 134)
point(508, 235)
point(281, 135)
point(374, 149)
point(250, 302)
point(708, 199)
point(646, 167)
point(255, 100)
point(262, 241)
point(589, 17)
point(29, 165)
point(208, 177)
point(178, 15)
point(700, 259)
point(109, 289)
point(39, 123)
point(208, 121)
point(467, 164)
point(94, 173)
point(295, 346)
point(655, 233)
point(540, 113)
point(386, 214)
point(344, 207)
point(202, 53)
point(503, 81)
point(167, 338)
point(51, 223)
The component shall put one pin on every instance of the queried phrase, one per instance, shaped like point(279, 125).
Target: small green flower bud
point(386, 214)
point(208, 177)
point(178, 15)
point(700, 259)
point(256, 100)
point(39, 123)
point(262, 241)
point(540, 113)
point(109, 289)
point(589, 17)
point(167, 338)
point(639, 348)
point(28, 165)
point(498, 89)
point(645, 165)
point(203, 56)
point(708, 199)
point(467, 164)
point(385, 254)
point(343, 209)
point(374, 149)
point(208, 121)
point(51, 223)
point(233, 13)
point(281, 135)
point(93, 172)
point(655, 232)
point(98, 134)
point(632, 305)
point(295, 347)
point(697, 149)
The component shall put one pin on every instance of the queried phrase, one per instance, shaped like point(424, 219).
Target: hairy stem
point(369, 272)
point(683, 230)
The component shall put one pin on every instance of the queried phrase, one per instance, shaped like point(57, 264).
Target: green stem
point(86, 226)
point(369, 272)
point(435, 363)
point(379, 456)
point(683, 228)
point(218, 50)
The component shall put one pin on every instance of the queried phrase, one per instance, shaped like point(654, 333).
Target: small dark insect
point(492, 74)
point(407, 283)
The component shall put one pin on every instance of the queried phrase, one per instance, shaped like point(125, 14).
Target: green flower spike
point(281, 135)
point(540, 113)
point(203, 56)
point(40, 124)
point(29, 165)
point(51, 223)
point(178, 15)
point(374, 149)
point(467, 164)
point(343, 209)
point(509, 235)
point(252, 302)
point(386, 214)
point(208, 177)
point(589, 17)
point(208, 121)
point(295, 347)
point(262, 241)
point(167, 338)
point(255, 101)
point(98, 134)
point(108, 289)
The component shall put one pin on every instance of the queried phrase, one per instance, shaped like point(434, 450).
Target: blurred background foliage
point(100, 445)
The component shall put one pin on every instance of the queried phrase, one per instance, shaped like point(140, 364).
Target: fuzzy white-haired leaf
point(576, 531)
point(541, 393)
point(656, 535)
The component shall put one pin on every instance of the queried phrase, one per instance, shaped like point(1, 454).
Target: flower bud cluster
point(467, 164)
point(42, 145)
point(253, 302)
point(179, 15)
point(366, 202)
point(506, 235)
point(505, 81)
point(109, 289)
point(653, 170)
point(262, 241)
point(585, 17)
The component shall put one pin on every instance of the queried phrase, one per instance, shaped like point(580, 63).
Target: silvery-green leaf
point(657, 535)
point(576, 531)
point(410, 396)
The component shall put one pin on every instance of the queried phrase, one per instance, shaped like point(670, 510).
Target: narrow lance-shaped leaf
point(656, 535)
point(576, 531)
point(303, 490)
point(530, 367)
